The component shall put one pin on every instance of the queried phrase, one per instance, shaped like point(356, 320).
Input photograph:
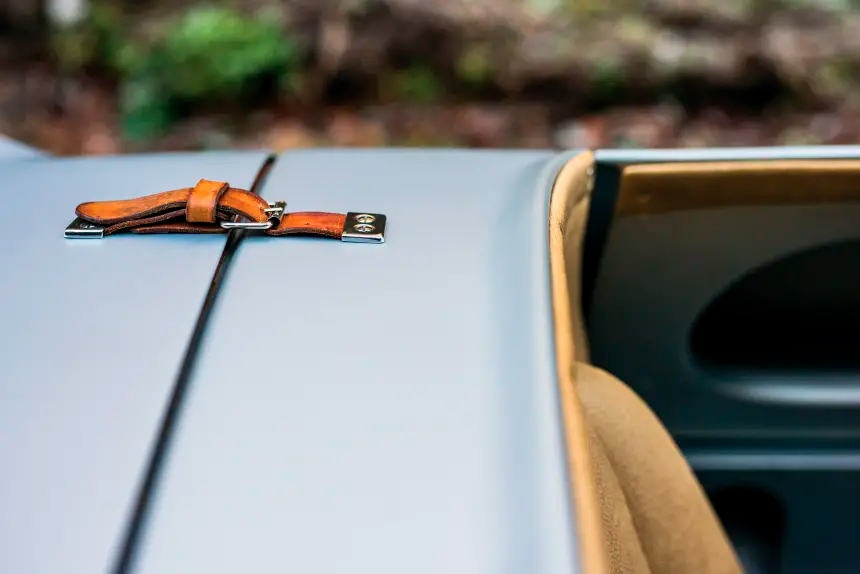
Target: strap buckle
point(275, 211)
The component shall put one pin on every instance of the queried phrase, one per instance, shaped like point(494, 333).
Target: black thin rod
point(131, 538)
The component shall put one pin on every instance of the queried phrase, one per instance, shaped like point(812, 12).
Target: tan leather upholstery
point(649, 189)
point(656, 518)
point(567, 216)
point(638, 506)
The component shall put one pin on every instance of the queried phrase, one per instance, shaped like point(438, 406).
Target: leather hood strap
point(201, 209)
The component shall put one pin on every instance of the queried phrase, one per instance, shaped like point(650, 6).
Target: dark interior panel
point(600, 213)
point(789, 522)
point(735, 322)
point(739, 325)
point(755, 520)
point(799, 312)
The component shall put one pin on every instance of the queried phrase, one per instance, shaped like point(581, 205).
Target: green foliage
point(209, 54)
point(80, 45)
point(837, 6)
point(585, 9)
point(106, 30)
point(215, 51)
point(835, 79)
point(72, 47)
point(606, 77)
point(417, 83)
point(146, 111)
point(91, 42)
point(474, 65)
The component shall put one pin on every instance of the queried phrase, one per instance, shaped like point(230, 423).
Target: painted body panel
point(93, 334)
point(11, 150)
point(379, 408)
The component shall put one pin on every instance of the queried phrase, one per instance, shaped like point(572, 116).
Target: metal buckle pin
point(275, 211)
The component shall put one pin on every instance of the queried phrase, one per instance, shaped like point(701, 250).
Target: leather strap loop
point(234, 201)
point(202, 205)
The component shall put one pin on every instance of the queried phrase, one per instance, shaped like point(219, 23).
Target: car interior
point(705, 317)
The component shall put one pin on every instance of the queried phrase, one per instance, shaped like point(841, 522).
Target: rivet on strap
point(203, 201)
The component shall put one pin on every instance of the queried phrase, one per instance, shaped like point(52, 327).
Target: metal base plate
point(80, 229)
point(364, 227)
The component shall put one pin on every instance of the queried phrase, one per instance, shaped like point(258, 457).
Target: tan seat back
point(655, 515)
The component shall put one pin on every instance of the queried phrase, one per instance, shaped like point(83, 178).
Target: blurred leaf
point(214, 51)
point(129, 59)
point(474, 66)
point(107, 29)
point(145, 109)
point(290, 82)
point(417, 83)
point(607, 77)
point(73, 47)
point(545, 7)
point(208, 54)
point(585, 9)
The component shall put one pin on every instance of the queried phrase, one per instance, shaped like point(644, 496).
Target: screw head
point(364, 228)
point(365, 218)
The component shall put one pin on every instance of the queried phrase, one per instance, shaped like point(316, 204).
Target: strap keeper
point(202, 205)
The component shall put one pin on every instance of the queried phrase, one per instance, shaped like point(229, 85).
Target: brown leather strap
point(308, 222)
point(200, 210)
point(203, 201)
point(313, 222)
point(233, 202)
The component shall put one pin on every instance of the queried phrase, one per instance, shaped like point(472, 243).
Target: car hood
point(385, 407)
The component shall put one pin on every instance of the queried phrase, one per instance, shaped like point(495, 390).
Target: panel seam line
point(124, 560)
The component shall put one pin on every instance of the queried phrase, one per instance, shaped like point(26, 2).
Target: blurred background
point(102, 77)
